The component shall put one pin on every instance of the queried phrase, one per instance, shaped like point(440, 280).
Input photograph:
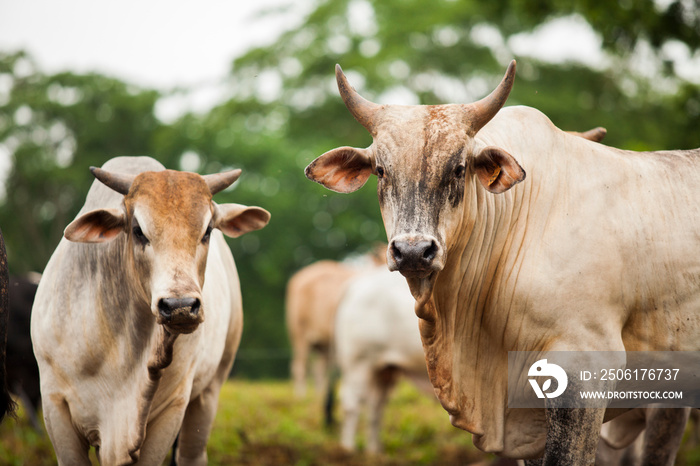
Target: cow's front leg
point(298, 366)
point(573, 423)
point(196, 427)
point(354, 386)
point(664, 433)
point(71, 448)
point(161, 432)
point(380, 387)
point(321, 370)
point(572, 435)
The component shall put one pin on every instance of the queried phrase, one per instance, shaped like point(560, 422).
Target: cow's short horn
point(116, 181)
point(362, 109)
point(479, 113)
point(219, 181)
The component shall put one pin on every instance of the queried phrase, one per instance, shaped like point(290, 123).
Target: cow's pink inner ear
point(97, 226)
point(235, 220)
point(497, 170)
point(344, 170)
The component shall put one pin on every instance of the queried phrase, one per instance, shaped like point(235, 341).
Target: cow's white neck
point(146, 352)
point(479, 262)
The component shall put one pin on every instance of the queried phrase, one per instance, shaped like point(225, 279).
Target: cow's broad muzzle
point(415, 256)
point(180, 315)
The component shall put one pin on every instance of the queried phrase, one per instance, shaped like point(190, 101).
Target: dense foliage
point(283, 111)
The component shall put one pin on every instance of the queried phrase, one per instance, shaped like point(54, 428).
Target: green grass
point(261, 423)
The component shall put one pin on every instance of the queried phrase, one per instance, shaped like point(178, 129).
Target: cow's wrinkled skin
point(589, 251)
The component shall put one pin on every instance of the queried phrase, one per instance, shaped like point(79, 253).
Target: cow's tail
point(7, 405)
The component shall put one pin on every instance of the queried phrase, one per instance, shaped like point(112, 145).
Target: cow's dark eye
point(139, 236)
point(207, 234)
point(459, 171)
point(380, 172)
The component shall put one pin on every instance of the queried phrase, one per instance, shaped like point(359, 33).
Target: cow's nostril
point(430, 252)
point(164, 308)
point(194, 309)
point(396, 252)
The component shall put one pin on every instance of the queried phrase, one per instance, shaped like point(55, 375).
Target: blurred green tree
point(52, 128)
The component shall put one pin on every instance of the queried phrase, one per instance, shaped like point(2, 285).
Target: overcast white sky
point(167, 43)
point(152, 43)
point(155, 43)
point(164, 43)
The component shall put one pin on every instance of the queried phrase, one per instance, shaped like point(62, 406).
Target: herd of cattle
point(137, 317)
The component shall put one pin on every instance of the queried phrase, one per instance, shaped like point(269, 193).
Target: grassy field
point(260, 423)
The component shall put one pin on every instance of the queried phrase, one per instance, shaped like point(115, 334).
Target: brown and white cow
point(592, 251)
point(645, 436)
point(311, 301)
point(138, 315)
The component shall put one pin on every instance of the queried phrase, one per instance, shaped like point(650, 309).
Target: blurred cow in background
point(22, 369)
point(649, 435)
point(7, 406)
point(311, 301)
point(377, 340)
point(313, 294)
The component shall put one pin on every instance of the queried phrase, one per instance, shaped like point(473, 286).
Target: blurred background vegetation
point(283, 110)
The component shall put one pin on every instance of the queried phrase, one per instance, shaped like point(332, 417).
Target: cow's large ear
point(344, 170)
point(235, 220)
point(497, 170)
point(97, 226)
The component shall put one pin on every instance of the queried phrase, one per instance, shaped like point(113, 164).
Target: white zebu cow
point(377, 339)
point(592, 252)
point(135, 335)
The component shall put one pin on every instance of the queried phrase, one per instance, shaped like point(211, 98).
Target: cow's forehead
point(170, 194)
point(414, 133)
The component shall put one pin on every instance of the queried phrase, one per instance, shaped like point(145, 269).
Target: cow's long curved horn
point(117, 181)
point(362, 109)
point(481, 112)
point(219, 181)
